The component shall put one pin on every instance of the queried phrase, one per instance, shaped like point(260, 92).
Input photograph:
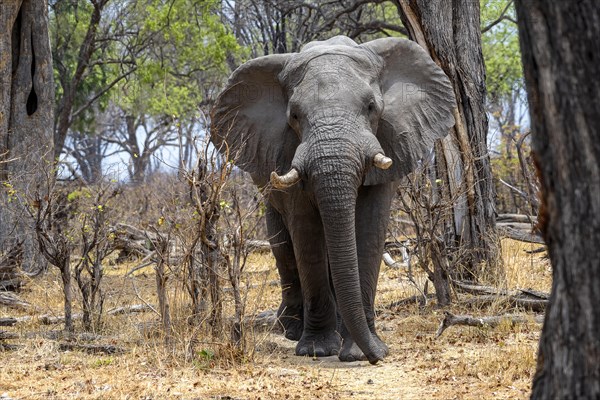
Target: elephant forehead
point(330, 61)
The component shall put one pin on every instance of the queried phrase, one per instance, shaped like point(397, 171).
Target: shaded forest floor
point(464, 363)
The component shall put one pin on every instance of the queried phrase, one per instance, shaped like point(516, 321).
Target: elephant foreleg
point(320, 337)
point(290, 313)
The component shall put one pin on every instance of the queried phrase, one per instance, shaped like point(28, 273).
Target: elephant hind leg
point(291, 312)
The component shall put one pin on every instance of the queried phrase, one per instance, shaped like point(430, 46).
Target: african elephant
point(343, 123)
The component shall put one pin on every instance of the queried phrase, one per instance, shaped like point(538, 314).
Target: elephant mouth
point(293, 175)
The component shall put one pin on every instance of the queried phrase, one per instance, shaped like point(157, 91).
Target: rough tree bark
point(450, 32)
point(561, 60)
point(26, 107)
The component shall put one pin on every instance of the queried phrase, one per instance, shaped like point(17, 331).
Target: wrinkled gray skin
point(325, 113)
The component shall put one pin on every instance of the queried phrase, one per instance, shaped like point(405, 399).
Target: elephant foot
point(292, 321)
point(351, 352)
point(319, 345)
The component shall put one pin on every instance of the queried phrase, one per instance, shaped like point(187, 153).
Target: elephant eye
point(371, 106)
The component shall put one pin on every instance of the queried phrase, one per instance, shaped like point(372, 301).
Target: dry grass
point(465, 363)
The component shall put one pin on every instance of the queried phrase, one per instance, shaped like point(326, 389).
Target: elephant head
point(333, 117)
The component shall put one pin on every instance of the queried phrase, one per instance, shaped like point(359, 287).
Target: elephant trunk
point(336, 183)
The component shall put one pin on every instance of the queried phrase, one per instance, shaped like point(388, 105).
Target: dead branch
point(9, 321)
point(418, 299)
point(493, 321)
point(13, 301)
point(91, 348)
point(518, 218)
point(4, 335)
point(528, 304)
point(473, 288)
point(8, 347)
point(519, 232)
point(48, 319)
point(390, 262)
point(11, 277)
point(136, 308)
point(258, 246)
point(484, 295)
point(265, 320)
point(131, 241)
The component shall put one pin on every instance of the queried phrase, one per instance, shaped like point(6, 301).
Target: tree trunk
point(65, 106)
point(449, 31)
point(26, 108)
point(561, 60)
point(65, 274)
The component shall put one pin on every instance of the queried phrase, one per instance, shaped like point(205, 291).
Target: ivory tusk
point(381, 161)
point(285, 181)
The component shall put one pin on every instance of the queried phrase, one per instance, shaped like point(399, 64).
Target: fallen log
point(523, 218)
point(493, 321)
point(520, 232)
point(535, 305)
point(484, 295)
point(474, 288)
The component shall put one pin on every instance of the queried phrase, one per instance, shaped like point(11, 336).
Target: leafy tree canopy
point(500, 43)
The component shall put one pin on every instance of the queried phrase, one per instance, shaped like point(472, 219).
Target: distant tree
point(506, 104)
point(178, 72)
point(561, 50)
point(26, 105)
point(93, 50)
point(281, 26)
point(124, 70)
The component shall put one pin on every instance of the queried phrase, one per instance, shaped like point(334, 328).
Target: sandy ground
point(464, 363)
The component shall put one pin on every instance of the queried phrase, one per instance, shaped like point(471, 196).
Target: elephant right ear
point(249, 122)
point(418, 106)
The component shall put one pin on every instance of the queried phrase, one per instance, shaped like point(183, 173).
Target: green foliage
point(501, 49)
point(69, 22)
point(205, 359)
point(102, 362)
point(186, 52)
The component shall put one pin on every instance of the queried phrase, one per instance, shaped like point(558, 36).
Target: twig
point(146, 261)
point(142, 300)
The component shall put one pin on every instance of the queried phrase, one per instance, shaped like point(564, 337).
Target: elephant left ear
point(418, 106)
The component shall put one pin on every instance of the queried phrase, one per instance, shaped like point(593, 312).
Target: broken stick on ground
point(493, 321)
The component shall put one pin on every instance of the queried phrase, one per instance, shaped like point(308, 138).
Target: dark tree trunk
point(26, 108)
point(450, 32)
point(561, 59)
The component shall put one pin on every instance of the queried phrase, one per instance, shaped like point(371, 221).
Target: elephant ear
point(249, 121)
point(418, 106)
